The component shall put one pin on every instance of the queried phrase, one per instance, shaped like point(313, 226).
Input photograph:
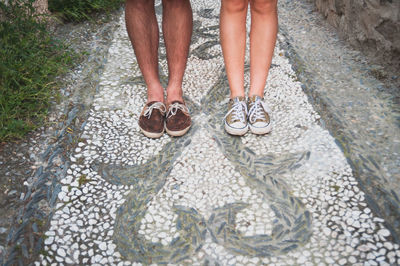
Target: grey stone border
point(385, 204)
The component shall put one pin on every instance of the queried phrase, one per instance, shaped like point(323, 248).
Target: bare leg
point(177, 30)
point(233, 42)
point(142, 29)
point(264, 28)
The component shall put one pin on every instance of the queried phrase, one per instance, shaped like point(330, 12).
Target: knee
point(263, 6)
point(234, 6)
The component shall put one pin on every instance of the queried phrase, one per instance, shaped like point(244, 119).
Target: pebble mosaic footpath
point(286, 198)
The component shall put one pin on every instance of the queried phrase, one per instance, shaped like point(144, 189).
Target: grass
point(75, 11)
point(31, 59)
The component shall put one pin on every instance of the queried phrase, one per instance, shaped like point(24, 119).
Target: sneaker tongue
point(238, 99)
point(255, 97)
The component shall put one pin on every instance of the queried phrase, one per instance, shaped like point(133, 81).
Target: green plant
point(72, 10)
point(30, 58)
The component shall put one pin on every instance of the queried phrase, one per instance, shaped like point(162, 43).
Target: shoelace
point(173, 108)
point(237, 111)
point(158, 105)
point(257, 111)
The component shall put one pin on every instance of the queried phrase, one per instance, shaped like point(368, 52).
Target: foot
point(178, 120)
point(151, 120)
point(259, 118)
point(236, 117)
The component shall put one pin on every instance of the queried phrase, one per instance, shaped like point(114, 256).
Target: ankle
point(173, 99)
point(174, 95)
point(155, 97)
point(235, 95)
point(155, 93)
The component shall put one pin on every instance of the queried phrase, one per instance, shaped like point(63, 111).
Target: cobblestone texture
point(360, 111)
point(286, 198)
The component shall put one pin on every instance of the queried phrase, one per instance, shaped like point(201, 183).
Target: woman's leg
point(264, 28)
point(233, 42)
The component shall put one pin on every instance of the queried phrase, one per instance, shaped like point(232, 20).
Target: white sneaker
point(236, 117)
point(259, 118)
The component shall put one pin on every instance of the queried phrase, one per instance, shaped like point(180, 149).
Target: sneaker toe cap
point(237, 125)
point(260, 124)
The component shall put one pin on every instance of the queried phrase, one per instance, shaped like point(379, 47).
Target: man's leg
point(177, 30)
point(233, 42)
point(142, 29)
point(264, 28)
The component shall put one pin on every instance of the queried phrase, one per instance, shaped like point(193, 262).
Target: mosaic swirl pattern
point(209, 198)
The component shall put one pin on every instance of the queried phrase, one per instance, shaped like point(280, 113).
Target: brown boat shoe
point(151, 120)
point(178, 120)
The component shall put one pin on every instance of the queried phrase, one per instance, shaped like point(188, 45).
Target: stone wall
point(371, 25)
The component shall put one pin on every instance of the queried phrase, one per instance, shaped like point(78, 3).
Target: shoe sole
point(236, 131)
point(152, 135)
point(177, 133)
point(261, 130)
